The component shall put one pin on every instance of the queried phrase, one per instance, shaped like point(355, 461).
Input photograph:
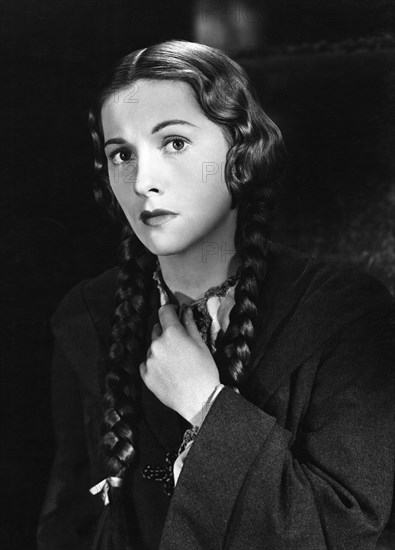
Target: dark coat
point(304, 460)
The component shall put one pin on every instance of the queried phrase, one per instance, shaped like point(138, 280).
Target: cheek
point(119, 198)
point(122, 179)
point(212, 173)
point(214, 206)
point(118, 188)
point(114, 189)
point(124, 199)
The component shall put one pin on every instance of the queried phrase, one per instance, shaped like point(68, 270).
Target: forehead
point(147, 102)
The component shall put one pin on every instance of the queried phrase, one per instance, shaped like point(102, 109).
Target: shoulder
point(89, 304)
point(307, 300)
point(314, 308)
point(297, 276)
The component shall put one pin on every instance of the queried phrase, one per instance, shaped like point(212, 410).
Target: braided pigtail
point(251, 245)
point(226, 96)
point(122, 385)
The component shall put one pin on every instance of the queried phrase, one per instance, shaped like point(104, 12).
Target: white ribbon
point(104, 486)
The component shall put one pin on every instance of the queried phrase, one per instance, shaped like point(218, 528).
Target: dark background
point(325, 73)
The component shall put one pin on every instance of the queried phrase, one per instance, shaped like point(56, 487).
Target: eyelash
point(167, 141)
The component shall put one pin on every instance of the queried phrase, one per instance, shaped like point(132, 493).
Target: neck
point(189, 276)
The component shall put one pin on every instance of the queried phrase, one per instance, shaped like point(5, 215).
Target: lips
point(164, 215)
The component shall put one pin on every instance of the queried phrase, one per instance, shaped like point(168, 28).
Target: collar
point(305, 301)
point(211, 311)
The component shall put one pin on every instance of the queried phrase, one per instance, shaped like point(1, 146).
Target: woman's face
point(164, 153)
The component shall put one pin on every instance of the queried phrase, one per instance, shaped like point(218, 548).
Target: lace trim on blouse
point(211, 311)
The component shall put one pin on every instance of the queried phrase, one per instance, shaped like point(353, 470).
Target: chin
point(164, 249)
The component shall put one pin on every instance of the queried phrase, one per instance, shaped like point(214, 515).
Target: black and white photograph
point(198, 275)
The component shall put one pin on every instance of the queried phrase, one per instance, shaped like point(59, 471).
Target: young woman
point(248, 389)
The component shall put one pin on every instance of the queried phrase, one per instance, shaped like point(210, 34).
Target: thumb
point(190, 325)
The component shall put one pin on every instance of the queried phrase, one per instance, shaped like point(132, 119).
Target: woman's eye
point(177, 144)
point(174, 145)
point(120, 157)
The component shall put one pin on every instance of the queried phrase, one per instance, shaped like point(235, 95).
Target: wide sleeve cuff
point(186, 444)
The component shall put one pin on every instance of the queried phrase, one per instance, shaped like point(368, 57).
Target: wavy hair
point(254, 164)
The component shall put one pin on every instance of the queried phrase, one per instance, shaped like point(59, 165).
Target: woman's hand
point(179, 368)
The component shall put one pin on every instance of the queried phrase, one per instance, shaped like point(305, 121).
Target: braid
point(251, 245)
point(122, 384)
point(227, 97)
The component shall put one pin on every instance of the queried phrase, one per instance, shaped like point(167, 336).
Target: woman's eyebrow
point(155, 129)
point(118, 141)
point(165, 123)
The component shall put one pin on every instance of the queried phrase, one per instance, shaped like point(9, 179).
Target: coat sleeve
point(328, 486)
point(69, 514)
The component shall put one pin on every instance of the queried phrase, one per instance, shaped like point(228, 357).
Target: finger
point(156, 331)
point(143, 370)
point(149, 353)
point(168, 316)
point(190, 325)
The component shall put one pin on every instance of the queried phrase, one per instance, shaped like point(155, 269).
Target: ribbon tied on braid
point(103, 487)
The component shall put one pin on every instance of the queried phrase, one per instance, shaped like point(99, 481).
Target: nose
point(147, 178)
